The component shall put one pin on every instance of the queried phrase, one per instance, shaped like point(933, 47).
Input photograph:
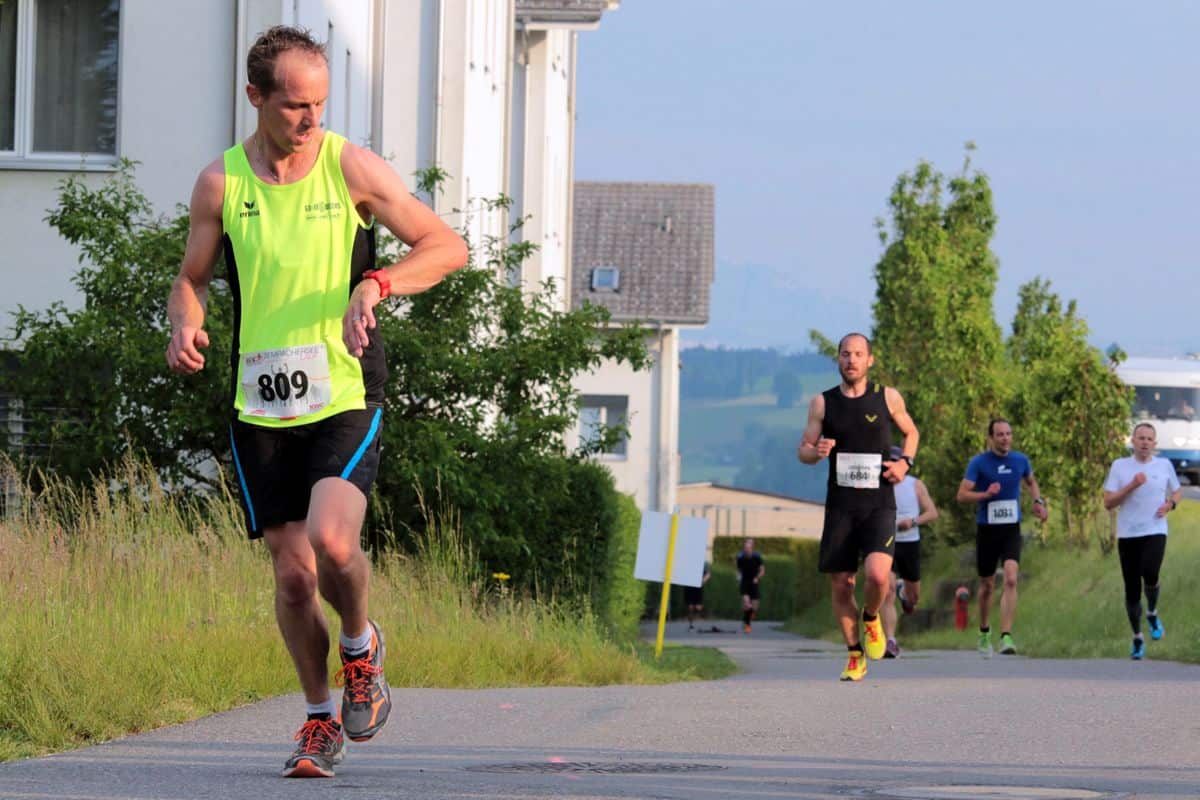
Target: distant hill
point(742, 413)
point(770, 307)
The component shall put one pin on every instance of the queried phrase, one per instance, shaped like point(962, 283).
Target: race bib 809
point(286, 383)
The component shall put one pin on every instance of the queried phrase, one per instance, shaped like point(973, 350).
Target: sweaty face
point(1002, 437)
point(1144, 442)
point(291, 115)
point(854, 359)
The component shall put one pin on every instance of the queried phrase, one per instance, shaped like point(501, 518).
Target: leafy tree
point(935, 337)
point(1068, 405)
point(93, 380)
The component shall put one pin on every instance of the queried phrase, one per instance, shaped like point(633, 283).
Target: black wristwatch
point(907, 460)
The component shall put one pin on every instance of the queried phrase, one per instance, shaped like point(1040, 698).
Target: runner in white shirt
point(914, 507)
point(1143, 489)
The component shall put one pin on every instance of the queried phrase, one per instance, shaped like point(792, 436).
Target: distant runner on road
point(993, 482)
point(750, 570)
point(693, 596)
point(914, 508)
point(1143, 488)
point(851, 424)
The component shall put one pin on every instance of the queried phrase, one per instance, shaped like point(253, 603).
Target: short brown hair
point(260, 61)
point(994, 422)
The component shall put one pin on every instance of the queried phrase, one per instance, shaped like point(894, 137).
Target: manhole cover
point(600, 767)
point(989, 793)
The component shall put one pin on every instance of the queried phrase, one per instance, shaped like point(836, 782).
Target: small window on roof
point(606, 279)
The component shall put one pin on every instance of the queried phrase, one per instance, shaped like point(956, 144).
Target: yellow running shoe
point(876, 642)
point(856, 667)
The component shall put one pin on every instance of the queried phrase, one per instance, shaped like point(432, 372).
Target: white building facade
point(483, 89)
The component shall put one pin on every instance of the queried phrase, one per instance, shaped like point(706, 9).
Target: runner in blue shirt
point(993, 482)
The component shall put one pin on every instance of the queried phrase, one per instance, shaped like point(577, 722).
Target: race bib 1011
point(286, 383)
point(1002, 512)
point(859, 470)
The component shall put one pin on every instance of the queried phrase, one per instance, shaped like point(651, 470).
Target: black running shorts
point(749, 589)
point(277, 467)
point(850, 533)
point(995, 544)
point(693, 595)
point(906, 562)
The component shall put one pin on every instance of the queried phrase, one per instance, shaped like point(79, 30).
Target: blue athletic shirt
point(988, 468)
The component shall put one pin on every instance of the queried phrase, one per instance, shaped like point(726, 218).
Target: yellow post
point(666, 593)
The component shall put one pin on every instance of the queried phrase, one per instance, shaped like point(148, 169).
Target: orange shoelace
point(316, 735)
point(356, 676)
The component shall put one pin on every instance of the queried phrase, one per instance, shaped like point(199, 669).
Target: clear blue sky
point(1086, 116)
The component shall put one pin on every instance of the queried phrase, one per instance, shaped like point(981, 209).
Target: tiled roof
point(564, 11)
point(660, 237)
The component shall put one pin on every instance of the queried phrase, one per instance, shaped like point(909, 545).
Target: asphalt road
point(784, 728)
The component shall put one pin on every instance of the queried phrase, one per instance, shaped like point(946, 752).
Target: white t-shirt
point(907, 507)
point(1135, 517)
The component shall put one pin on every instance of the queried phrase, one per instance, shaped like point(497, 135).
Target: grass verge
point(1071, 601)
point(131, 610)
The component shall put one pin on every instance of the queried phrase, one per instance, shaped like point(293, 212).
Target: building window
point(606, 279)
point(598, 413)
point(58, 83)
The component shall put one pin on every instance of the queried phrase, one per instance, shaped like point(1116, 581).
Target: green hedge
point(619, 596)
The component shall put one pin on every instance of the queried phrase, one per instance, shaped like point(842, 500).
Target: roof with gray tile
point(564, 11)
point(660, 237)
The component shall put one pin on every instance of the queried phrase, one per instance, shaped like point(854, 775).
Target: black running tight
point(1141, 559)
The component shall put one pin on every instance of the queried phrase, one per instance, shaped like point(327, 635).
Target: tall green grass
point(126, 610)
point(1071, 601)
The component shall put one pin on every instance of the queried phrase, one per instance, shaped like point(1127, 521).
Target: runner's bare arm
point(189, 293)
point(436, 250)
point(1117, 497)
point(967, 493)
point(929, 511)
point(895, 404)
point(812, 446)
point(1039, 503)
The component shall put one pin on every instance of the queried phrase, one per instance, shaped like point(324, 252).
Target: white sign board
point(691, 542)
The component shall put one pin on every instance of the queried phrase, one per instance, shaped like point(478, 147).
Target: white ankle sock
point(357, 644)
point(327, 707)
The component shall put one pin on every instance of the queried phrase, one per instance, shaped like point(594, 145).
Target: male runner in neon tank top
point(993, 482)
point(851, 424)
point(292, 207)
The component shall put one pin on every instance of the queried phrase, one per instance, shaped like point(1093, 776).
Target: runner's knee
point(295, 584)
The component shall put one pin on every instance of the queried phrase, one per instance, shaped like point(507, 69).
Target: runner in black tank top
point(852, 425)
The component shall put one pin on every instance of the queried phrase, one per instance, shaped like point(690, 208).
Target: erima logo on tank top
point(871, 417)
point(250, 210)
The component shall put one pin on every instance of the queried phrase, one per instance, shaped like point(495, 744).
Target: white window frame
point(22, 157)
point(605, 403)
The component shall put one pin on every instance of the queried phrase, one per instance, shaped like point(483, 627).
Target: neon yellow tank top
point(290, 250)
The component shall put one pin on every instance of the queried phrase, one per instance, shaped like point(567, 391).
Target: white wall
point(471, 115)
point(650, 468)
point(544, 126)
point(175, 115)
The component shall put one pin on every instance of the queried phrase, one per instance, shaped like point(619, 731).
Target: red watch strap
point(381, 278)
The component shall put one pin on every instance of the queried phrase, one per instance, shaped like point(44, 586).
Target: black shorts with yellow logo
point(276, 468)
point(854, 532)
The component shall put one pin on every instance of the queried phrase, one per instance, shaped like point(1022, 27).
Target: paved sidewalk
point(782, 728)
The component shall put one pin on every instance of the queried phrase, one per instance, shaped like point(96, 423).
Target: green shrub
point(619, 599)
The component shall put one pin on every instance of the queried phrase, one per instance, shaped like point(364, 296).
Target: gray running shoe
point(321, 746)
point(366, 697)
point(985, 644)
